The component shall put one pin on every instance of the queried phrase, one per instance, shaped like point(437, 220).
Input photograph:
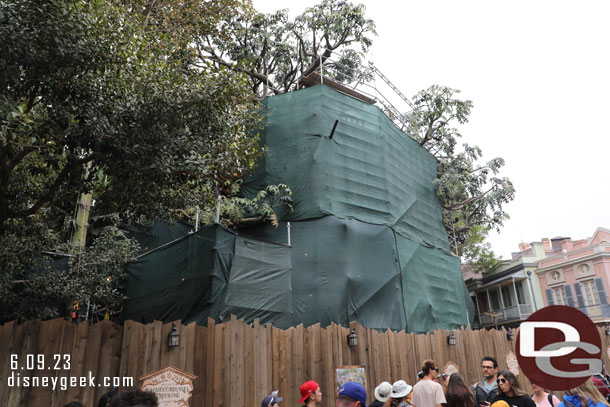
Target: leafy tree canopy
point(275, 51)
point(104, 97)
point(472, 193)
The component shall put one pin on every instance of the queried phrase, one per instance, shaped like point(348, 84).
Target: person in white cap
point(401, 392)
point(382, 394)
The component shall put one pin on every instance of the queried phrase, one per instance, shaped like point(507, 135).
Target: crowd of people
point(433, 389)
point(496, 389)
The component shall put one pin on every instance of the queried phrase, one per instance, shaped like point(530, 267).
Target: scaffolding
point(363, 86)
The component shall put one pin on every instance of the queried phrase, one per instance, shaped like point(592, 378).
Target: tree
point(275, 52)
point(83, 90)
point(476, 252)
point(99, 97)
point(95, 277)
point(472, 193)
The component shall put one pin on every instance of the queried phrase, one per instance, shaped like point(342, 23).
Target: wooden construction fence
point(236, 364)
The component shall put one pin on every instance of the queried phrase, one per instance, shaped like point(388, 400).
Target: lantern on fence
point(451, 339)
point(352, 338)
point(173, 339)
point(510, 335)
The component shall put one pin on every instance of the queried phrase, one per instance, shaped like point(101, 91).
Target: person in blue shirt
point(486, 390)
point(585, 395)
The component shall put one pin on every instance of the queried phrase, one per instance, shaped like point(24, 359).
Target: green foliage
point(95, 275)
point(275, 51)
point(238, 211)
point(472, 193)
point(105, 97)
point(21, 250)
point(476, 252)
point(88, 83)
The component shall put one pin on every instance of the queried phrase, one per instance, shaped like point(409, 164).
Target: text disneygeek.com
point(62, 383)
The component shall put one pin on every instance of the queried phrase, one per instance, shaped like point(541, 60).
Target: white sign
point(172, 386)
point(512, 363)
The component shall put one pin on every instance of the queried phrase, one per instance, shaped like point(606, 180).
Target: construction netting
point(157, 234)
point(367, 242)
point(369, 170)
point(212, 273)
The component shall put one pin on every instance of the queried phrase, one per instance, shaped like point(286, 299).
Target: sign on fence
point(350, 374)
point(172, 386)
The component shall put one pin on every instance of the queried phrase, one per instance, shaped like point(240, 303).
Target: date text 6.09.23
point(38, 362)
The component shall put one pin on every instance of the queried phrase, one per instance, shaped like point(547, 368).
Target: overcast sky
point(538, 74)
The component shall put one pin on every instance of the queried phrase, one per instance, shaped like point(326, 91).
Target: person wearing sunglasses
point(510, 391)
point(426, 392)
point(272, 400)
point(486, 390)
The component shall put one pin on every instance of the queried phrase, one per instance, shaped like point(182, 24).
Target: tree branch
point(3, 187)
point(250, 221)
point(19, 156)
point(461, 205)
point(431, 129)
point(302, 45)
point(253, 74)
point(48, 196)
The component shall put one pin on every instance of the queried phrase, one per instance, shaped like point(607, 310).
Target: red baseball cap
point(307, 388)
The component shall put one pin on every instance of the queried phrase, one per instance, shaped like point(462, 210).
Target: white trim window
point(589, 292)
point(558, 295)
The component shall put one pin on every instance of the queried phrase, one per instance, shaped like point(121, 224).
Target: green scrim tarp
point(259, 284)
point(367, 239)
point(203, 275)
point(157, 234)
point(342, 270)
point(345, 270)
point(368, 171)
point(433, 293)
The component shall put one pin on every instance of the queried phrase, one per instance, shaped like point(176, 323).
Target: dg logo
point(559, 348)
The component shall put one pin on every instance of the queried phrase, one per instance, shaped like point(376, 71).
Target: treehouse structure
point(364, 243)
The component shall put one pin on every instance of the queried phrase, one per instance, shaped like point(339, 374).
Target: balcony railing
point(523, 311)
point(512, 313)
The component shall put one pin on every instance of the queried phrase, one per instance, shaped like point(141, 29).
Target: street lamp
point(173, 338)
point(352, 338)
point(451, 339)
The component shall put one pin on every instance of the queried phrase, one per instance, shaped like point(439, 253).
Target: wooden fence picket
point(237, 364)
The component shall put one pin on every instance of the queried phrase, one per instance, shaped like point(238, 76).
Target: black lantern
point(607, 330)
point(173, 339)
point(510, 335)
point(352, 338)
point(451, 339)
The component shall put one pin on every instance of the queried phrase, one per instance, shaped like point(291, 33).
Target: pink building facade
point(578, 274)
